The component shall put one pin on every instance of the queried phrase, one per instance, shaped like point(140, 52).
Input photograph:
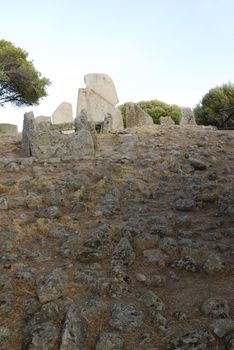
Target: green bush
point(157, 109)
point(220, 97)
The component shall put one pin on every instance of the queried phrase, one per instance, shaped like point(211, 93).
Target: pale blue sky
point(171, 50)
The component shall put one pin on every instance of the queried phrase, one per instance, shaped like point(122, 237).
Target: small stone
point(179, 315)
point(213, 264)
point(140, 277)
point(3, 203)
point(4, 333)
point(156, 281)
point(109, 341)
point(126, 317)
point(159, 320)
point(222, 326)
point(216, 307)
point(155, 255)
point(184, 204)
point(168, 245)
point(197, 164)
point(49, 213)
point(123, 253)
point(150, 299)
point(187, 263)
point(5, 302)
point(196, 340)
point(51, 286)
point(42, 336)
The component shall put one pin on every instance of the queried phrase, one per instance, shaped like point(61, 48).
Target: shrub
point(218, 98)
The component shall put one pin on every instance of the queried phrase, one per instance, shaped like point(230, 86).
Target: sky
point(169, 50)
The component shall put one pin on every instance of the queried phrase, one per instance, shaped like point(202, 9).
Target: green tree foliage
point(157, 109)
point(20, 83)
point(207, 111)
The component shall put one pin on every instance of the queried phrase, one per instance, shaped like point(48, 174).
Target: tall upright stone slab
point(98, 99)
point(63, 114)
point(187, 117)
point(103, 85)
point(135, 116)
point(29, 127)
point(166, 121)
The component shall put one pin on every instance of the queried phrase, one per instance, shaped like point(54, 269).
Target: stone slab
point(97, 107)
point(103, 85)
point(63, 114)
point(135, 116)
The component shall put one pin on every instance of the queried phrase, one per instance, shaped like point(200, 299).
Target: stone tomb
point(46, 140)
point(98, 100)
point(8, 129)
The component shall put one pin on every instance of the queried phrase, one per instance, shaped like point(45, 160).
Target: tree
point(218, 98)
point(20, 83)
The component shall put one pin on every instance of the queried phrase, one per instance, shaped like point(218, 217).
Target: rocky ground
point(130, 250)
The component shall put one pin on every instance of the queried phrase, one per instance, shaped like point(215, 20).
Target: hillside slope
point(130, 250)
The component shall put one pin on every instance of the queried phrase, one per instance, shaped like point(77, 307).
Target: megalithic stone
point(63, 114)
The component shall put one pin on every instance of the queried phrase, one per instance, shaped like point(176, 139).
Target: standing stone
point(28, 128)
point(8, 129)
point(98, 99)
point(63, 114)
point(81, 123)
point(166, 121)
point(103, 85)
point(187, 117)
point(135, 116)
